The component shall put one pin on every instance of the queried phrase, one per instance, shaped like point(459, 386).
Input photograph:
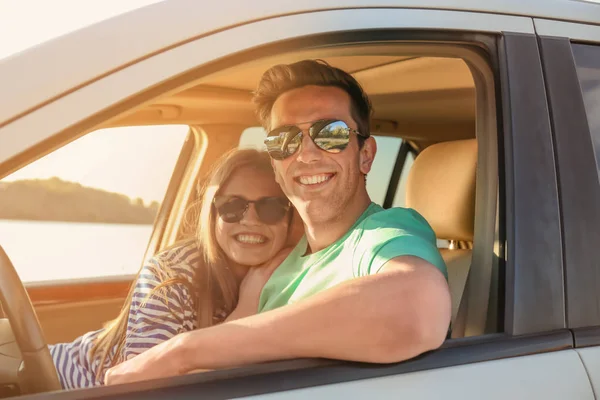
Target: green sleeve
point(393, 233)
point(407, 246)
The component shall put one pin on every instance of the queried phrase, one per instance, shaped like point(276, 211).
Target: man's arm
point(392, 316)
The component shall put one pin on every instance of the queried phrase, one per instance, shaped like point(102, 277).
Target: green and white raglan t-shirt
point(377, 236)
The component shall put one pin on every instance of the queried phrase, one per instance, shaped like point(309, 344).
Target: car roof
point(42, 73)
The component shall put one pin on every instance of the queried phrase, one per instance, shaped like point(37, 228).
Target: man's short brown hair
point(285, 77)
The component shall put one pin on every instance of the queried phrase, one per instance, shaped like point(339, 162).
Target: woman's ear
point(367, 155)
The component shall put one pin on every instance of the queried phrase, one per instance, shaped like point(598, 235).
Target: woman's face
point(250, 241)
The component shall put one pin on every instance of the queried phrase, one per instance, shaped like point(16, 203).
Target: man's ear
point(367, 155)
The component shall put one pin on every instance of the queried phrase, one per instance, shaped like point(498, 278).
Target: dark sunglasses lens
point(283, 142)
point(232, 210)
point(333, 137)
point(271, 210)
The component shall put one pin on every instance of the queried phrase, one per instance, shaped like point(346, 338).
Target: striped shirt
point(153, 318)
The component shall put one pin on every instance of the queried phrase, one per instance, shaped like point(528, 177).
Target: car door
point(530, 351)
point(571, 57)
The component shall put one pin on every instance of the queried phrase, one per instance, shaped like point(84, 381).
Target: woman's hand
point(252, 285)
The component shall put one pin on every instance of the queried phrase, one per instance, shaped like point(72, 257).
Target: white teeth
point(314, 179)
point(250, 239)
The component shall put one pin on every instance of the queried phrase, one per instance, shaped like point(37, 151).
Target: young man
point(364, 284)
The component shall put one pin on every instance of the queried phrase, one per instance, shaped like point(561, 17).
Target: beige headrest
point(441, 187)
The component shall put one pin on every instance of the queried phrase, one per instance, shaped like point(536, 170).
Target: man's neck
point(321, 235)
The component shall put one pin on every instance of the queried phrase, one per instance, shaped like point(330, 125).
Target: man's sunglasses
point(330, 135)
point(270, 210)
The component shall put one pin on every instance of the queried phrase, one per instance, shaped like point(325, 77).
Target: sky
point(135, 161)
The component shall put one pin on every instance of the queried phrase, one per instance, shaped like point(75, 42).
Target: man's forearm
point(387, 317)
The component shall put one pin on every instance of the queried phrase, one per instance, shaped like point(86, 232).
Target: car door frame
point(578, 169)
point(579, 183)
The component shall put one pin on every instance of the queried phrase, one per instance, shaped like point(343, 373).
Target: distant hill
point(57, 200)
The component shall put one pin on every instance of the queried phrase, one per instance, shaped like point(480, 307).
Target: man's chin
point(317, 211)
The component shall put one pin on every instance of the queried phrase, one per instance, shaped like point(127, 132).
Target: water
point(43, 251)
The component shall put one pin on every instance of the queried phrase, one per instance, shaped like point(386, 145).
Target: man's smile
point(310, 180)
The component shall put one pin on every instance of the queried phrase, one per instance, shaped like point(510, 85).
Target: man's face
point(321, 185)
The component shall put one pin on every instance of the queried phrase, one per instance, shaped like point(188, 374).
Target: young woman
point(242, 227)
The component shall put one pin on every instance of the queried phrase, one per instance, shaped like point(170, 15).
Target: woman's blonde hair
point(215, 287)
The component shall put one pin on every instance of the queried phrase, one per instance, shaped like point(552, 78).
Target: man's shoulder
point(398, 223)
point(391, 233)
point(396, 217)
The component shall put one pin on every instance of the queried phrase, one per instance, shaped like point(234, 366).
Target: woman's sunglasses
point(270, 210)
point(330, 135)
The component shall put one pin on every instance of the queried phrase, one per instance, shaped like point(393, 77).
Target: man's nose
point(308, 151)
point(250, 217)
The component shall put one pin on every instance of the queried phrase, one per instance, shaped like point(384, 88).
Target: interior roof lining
point(383, 65)
point(215, 82)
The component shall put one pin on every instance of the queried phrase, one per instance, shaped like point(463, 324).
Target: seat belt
point(458, 324)
point(473, 309)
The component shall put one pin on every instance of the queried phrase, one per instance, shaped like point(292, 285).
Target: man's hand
point(252, 285)
point(161, 361)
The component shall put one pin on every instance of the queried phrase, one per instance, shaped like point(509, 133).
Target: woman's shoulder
point(168, 276)
point(181, 259)
point(184, 251)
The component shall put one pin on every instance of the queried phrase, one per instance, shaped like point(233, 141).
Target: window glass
point(87, 209)
point(587, 59)
point(378, 179)
point(254, 138)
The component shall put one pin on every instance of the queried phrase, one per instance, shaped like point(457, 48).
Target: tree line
point(57, 200)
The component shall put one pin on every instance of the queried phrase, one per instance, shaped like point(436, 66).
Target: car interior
point(430, 102)
point(440, 103)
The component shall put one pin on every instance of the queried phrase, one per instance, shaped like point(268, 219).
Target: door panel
point(591, 360)
point(558, 375)
point(68, 310)
point(64, 322)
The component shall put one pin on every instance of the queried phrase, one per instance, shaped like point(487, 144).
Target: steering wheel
point(31, 368)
